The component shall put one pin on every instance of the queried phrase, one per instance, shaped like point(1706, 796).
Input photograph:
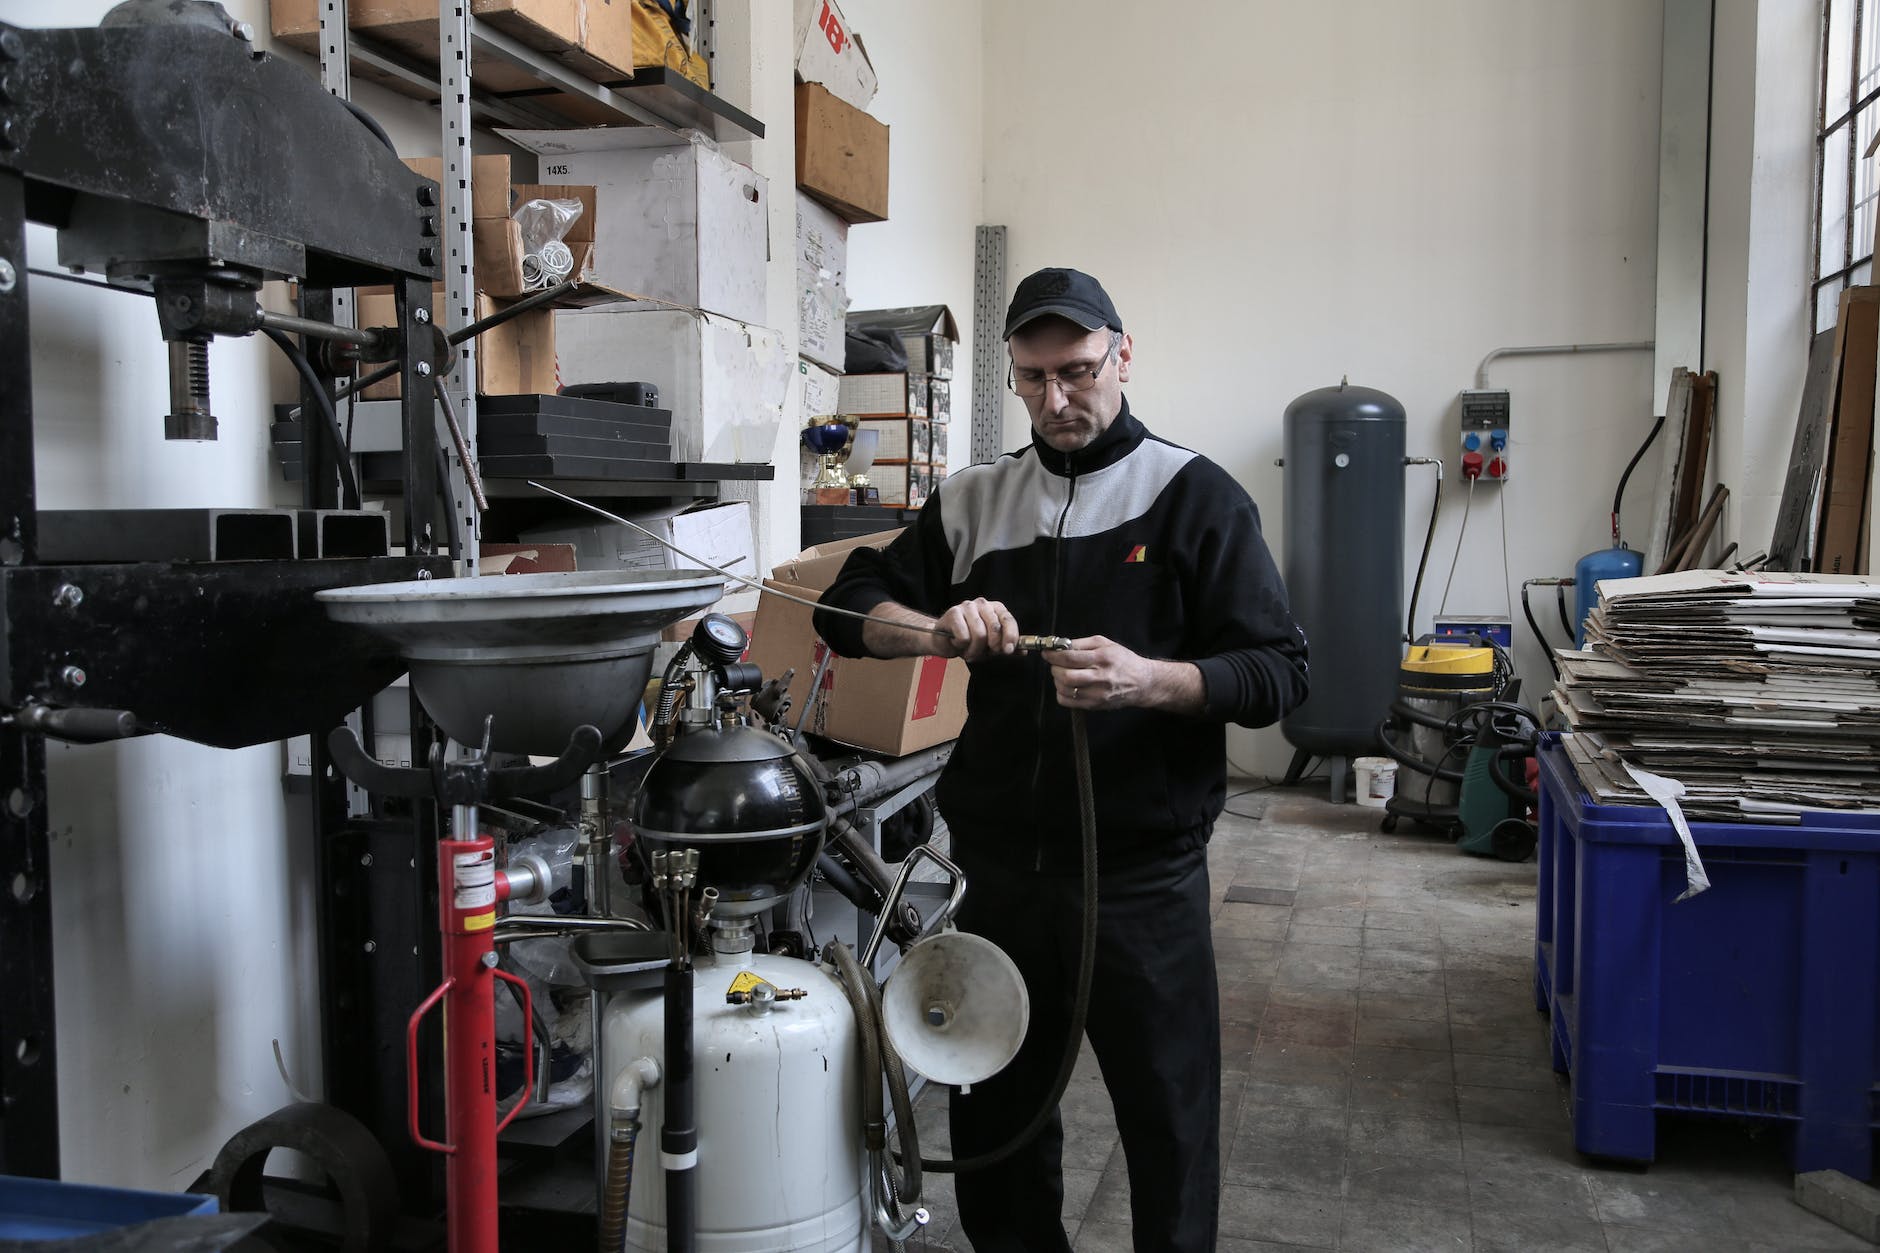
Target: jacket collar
point(1118, 440)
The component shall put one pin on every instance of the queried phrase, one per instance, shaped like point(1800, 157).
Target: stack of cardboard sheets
point(1759, 692)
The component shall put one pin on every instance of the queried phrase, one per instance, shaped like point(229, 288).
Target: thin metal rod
point(471, 476)
point(502, 315)
point(751, 583)
point(318, 330)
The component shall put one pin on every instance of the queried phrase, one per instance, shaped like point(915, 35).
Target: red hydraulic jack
point(469, 887)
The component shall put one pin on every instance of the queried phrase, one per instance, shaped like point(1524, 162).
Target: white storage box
point(725, 382)
point(683, 224)
point(829, 52)
point(721, 534)
point(822, 251)
point(819, 391)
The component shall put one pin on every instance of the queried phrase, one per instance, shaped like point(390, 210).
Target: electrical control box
point(1485, 626)
point(1484, 435)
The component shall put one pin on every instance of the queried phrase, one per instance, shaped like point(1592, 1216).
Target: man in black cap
point(1150, 556)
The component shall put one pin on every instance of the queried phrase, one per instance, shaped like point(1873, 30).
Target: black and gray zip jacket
point(1133, 538)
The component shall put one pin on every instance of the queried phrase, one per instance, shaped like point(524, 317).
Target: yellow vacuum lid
point(1440, 658)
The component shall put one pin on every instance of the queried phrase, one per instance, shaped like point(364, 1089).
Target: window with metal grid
point(1844, 175)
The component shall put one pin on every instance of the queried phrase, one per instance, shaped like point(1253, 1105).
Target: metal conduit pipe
point(1539, 350)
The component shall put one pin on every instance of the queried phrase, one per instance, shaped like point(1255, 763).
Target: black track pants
point(1154, 1024)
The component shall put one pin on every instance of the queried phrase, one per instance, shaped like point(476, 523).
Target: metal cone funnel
point(955, 1008)
point(541, 654)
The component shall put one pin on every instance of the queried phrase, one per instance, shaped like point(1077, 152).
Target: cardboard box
point(608, 37)
point(498, 244)
point(885, 395)
point(817, 566)
point(516, 358)
point(902, 439)
point(410, 27)
point(930, 354)
point(719, 534)
point(682, 224)
point(895, 707)
point(524, 558)
point(940, 400)
point(894, 481)
point(818, 392)
point(841, 155)
point(922, 483)
point(725, 382)
point(489, 181)
point(828, 51)
point(822, 251)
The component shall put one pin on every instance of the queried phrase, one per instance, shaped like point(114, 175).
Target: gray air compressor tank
point(1344, 562)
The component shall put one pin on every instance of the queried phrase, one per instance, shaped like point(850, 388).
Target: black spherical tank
point(739, 797)
point(1344, 562)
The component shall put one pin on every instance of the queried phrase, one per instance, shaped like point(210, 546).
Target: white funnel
point(955, 1008)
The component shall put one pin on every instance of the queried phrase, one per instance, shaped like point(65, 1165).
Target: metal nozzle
point(1042, 643)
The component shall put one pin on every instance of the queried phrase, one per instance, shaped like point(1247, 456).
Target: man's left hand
point(1098, 673)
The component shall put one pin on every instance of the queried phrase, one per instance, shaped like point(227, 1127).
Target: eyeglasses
point(1078, 378)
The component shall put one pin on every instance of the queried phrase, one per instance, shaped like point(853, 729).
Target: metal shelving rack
point(378, 950)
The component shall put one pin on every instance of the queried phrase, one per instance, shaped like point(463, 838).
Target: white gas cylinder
point(778, 1098)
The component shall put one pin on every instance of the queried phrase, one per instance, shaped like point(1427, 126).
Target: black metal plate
point(223, 654)
point(568, 446)
point(577, 428)
point(573, 407)
point(549, 466)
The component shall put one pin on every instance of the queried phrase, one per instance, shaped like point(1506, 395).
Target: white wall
point(1761, 224)
point(1294, 193)
point(932, 97)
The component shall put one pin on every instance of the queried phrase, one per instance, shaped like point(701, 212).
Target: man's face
point(1054, 347)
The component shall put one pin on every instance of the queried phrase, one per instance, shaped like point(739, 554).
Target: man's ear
point(1122, 358)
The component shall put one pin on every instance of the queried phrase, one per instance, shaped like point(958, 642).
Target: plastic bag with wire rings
point(546, 260)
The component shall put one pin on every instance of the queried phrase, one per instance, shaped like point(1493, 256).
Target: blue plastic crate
point(1758, 999)
point(44, 1209)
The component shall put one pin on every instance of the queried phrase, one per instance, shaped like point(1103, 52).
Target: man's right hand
point(980, 628)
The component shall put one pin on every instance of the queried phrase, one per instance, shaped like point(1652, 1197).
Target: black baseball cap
point(1061, 293)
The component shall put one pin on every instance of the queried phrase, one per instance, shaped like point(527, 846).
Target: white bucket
point(1377, 780)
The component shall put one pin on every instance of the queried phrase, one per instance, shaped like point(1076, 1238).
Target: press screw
point(9, 134)
point(372, 946)
point(422, 314)
point(8, 275)
point(68, 595)
point(9, 88)
point(489, 959)
point(426, 197)
point(242, 31)
point(72, 676)
point(427, 257)
point(10, 45)
point(365, 859)
point(424, 369)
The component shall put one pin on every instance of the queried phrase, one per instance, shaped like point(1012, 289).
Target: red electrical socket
point(1472, 465)
point(1497, 469)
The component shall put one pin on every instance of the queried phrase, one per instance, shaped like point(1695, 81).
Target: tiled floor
point(1387, 1080)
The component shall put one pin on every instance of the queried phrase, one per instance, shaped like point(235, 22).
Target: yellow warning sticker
point(480, 922)
point(745, 981)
